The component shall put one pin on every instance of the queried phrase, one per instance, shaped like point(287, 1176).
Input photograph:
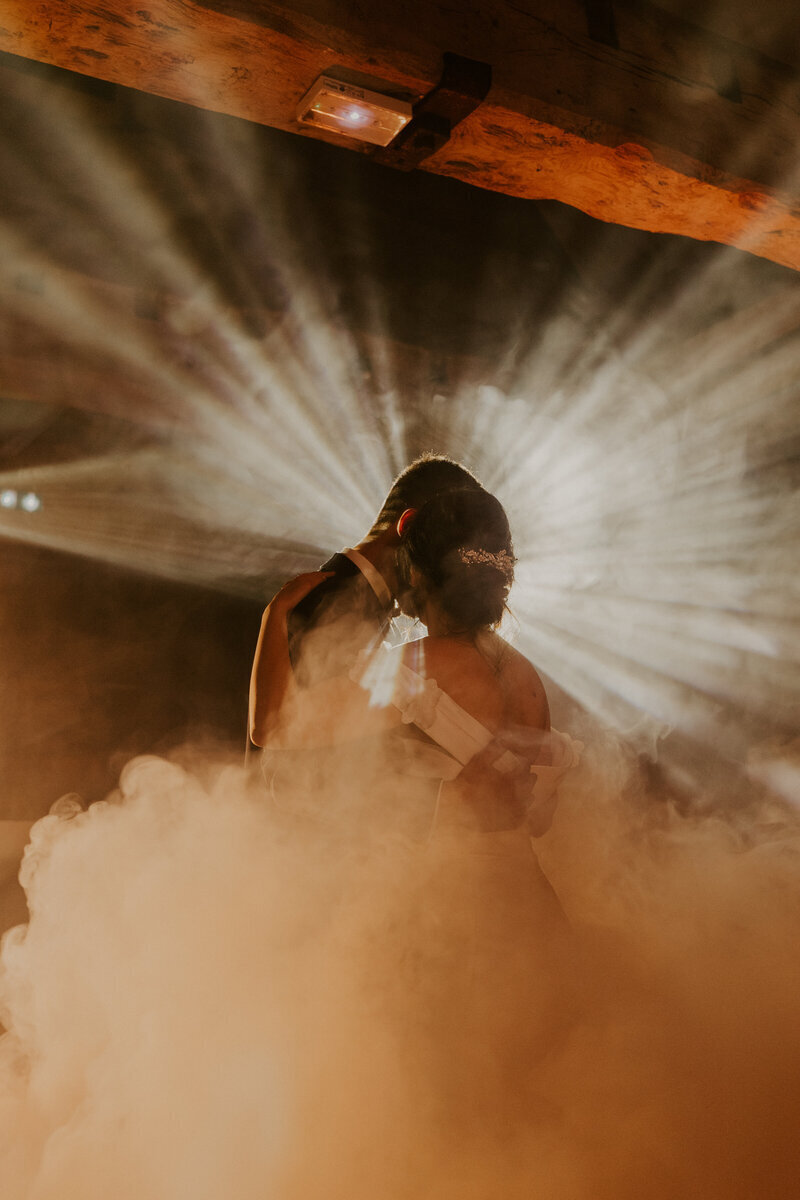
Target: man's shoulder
point(333, 623)
point(345, 581)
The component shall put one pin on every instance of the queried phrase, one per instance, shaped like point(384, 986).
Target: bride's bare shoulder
point(463, 672)
point(525, 694)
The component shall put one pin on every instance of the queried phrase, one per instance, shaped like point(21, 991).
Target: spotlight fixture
point(354, 111)
point(8, 498)
point(30, 502)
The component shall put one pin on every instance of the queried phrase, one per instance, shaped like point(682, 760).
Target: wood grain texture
point(679, 130)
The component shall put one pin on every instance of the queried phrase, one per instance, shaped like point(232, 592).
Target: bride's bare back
point(490, 679)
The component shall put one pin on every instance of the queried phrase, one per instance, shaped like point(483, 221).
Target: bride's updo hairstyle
point(460, 543)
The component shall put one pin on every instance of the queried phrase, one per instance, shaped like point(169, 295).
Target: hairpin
point(501, 560)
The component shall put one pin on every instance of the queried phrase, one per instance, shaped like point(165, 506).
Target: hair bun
point(460, 544)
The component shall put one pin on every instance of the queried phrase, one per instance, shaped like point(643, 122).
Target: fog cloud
point(213, 999)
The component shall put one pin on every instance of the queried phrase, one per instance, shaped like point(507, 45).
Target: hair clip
point(501, 560)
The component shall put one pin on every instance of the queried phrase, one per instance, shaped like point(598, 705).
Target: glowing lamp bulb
point(8, 498)
point(357, 112)
point(30, 502)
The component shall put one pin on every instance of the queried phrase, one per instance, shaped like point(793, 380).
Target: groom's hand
point(497, 798)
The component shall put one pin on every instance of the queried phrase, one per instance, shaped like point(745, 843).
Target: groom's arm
point(271, 673)
point(328, 708)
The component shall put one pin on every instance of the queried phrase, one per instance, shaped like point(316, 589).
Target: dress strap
point(565, 753)
point(423, 703)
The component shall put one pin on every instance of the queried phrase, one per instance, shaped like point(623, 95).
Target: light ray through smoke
point(643, 449)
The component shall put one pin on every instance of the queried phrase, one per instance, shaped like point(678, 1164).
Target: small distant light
point(355, 115)
point(8, 498)
point(30, 502)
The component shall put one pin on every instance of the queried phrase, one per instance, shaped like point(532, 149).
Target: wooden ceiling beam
point(623, 111)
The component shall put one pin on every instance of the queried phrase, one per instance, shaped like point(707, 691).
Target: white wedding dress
point(490, 939)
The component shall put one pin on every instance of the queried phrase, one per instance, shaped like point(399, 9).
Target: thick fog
point(211, 1000)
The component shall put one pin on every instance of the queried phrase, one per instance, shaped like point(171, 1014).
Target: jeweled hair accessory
point(501, 560)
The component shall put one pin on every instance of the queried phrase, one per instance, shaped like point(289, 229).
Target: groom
point(349, 611)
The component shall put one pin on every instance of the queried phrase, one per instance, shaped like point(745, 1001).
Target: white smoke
point(210, 1001)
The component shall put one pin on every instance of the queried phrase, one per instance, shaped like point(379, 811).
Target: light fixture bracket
point(463, 86)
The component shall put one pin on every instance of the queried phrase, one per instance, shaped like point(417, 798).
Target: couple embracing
point(441, 750)
point(460, 707)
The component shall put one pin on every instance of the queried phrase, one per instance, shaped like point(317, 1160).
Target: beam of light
point(294, 392)
point(643, 450)
point(656, 530)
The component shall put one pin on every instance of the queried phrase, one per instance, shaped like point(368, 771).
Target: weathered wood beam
point(643, 120)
